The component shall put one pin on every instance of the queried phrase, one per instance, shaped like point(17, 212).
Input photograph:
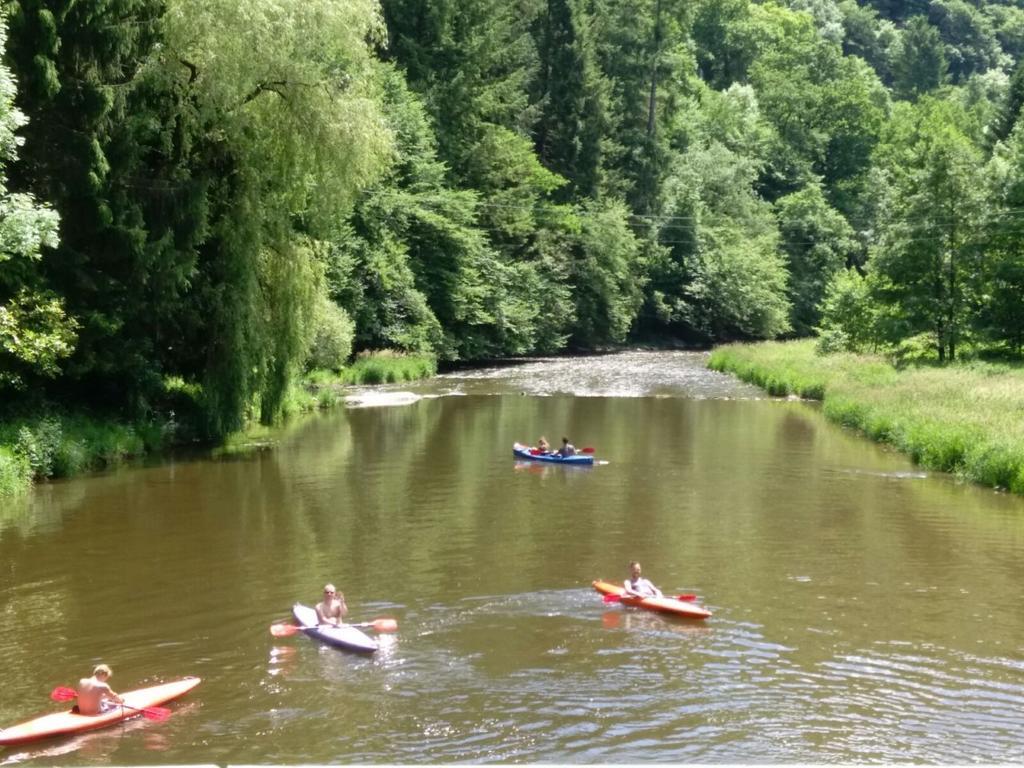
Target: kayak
point(662, 604)
point(63, 723)
point(346, 636)
point(526, 452)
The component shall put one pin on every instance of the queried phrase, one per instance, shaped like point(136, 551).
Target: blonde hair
point(102, 669)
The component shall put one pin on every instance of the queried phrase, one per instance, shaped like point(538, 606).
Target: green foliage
point(919, 63)
point(848, 315)
point(35, 332)
point(971, 44)
point(818, 243)
point(927, 260)
point(332, 342)
point(377, 367)
point(15, 473)
point(607, 293)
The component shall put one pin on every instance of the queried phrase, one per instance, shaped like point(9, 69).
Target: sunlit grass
point(966, 418)
point(377, 367)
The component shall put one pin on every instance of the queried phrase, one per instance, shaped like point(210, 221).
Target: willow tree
point(286, 130)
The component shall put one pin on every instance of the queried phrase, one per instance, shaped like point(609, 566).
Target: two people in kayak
point(332, 609)
point(567, 449)
point(95, 695)
point(637, 585)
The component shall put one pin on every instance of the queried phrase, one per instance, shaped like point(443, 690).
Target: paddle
point(539, 452)
point(61, 693)
point(687, 598)
point(287, 630)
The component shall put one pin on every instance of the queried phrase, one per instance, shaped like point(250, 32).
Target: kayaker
point(94, 694)
point(637, 585)
point(332, 610)
point(567, 449)
point(543, 445)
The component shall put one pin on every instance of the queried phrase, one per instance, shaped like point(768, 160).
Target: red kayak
point(661, 604)
point(62, 723)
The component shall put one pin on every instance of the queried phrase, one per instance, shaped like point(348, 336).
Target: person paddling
point(567, 449)
point(332, 610)
point(637, 585)
point(94, 693)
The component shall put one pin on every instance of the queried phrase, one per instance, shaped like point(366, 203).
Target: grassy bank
point(58, 444)
point(51, 443)
point(324, 389)
point(964, 418)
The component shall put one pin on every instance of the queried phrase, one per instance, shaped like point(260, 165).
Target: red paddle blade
point(60, 693)
point(588, 449)
point(284, 630)
point(612, 598)
point(687, 598)
point(385, 625)
point(155, 713)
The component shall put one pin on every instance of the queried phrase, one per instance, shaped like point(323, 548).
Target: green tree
point(927, 261)
point(606, 292)
point(100, 149)
point(571, 132)
point(848, 314)
point(919, 62)
point(1001, 316)
point(284, 98)
point(971, 44)
point(868, 37)
point(818, 243)
point(35, 332)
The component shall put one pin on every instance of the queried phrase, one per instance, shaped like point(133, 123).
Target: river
point(863, 610)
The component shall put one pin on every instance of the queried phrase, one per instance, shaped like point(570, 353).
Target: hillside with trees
point(204, 199)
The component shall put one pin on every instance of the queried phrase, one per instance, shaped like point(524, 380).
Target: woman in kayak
point(94, 694)
point(333, 609)
point(637, 585)
point(543, 445)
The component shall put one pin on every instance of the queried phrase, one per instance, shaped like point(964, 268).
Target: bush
point(332, 343)
point(15, 473)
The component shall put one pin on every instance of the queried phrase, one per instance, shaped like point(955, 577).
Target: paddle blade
point(284, 630)
point(155, 713)
point(687, 598)
point(613, 598)
point(588, 449)
point(385, 625)
point(60, 693)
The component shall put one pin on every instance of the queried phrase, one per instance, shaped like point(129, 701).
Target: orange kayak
point(61, 723)
point(663, 604)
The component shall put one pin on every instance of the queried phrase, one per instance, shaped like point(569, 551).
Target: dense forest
point(202, 199)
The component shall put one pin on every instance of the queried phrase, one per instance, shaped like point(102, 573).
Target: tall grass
point(60, 445)
point(964, 418)
point(378, 367)
point(385, 367)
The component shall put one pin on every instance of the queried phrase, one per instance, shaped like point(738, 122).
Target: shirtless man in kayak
point(333, 609)
point(637, 585)
point(94, 692)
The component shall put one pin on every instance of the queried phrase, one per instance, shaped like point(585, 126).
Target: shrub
point(332, 342)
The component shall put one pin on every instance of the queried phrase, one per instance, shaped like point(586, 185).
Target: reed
point(963, 418)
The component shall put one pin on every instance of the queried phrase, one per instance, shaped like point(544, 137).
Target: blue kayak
point(345, 636)
point(531, 454)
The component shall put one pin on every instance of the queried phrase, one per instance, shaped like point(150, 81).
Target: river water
point(864, 611)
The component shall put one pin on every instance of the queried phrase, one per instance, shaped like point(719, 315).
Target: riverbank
point(963, 418)
point(49, 442)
